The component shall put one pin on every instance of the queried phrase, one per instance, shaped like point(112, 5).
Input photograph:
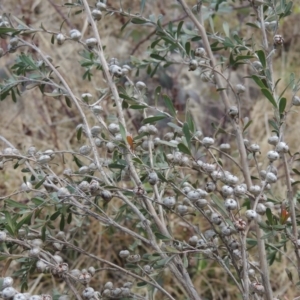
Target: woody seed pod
point(75, 34)
point(240, 89)
point(44, 159)
point(106, 195)
point(124, 253)
point(91, 42)
point(60, 39)
point(295, 100)
point(282, 147)
point(169, 201)
point(272, 155)
point(208, 141)
point(193, 65)
point(278, 40)
point(273, 140)
point(7, 282)
point(85, 150)
point(230, 204)
point(96, 14)
point(251, 214)
point(152, 178)
point(200, 52)
point(8, 293)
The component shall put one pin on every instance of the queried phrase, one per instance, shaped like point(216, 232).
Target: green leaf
point(12, 203)
point(137, 106)
point(179, 28)
point(169, 105)
point(69, 219)
point(261, 57)
point(228, 43)
point(55, 215)
point(4, 30)
point(122, 131)
point(269, 216)
point(37, 201)
point(79, 132)
point(187, 134)
point(160, 236)
point(68, 101)
point(190, 121)
point(138, 21)
point(124, 96)
point(269, 96)
point(282, 105)
point(157, 57)
point(188, 48)
point(143, 2)
point(153, 119)
point(162, 142)
point(13, 95)
point(157, 94)
point(44, 233)
point(62, 223)
point(124, 26)
point(141, 283)
point(296, 171)
point(52, 39)
point(258, 81)
point(78, 162)
point(39, 184)
point(252, 25)
point(247, 125)
point(184, 149)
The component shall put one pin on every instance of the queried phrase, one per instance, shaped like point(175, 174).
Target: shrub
point(144, 198)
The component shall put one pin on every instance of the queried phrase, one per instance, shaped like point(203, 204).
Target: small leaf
point(269, 216)
point(161, 236)
point(184, 149)
point(52, 39)
point(187, 134)
point(79, 132)
point(122, 131)
point(15, 204)
point(169, 105)
point(282, 105)
point(190, 121)
point(78, 162)
point(153, 119)
point(39, 184)
point(296, 171)
point(228, 43)
point(179, 28)
point(157, 57)
point(124, 26)
point(138, 21)
point(62, 223)
point(55, 215)
point(247, 125)
point(269, 96)
point(258, 81)
point(68, 101)
point(137, 106)
point(261, 57)
point(188, 48)
point(141, 283)
point(143, 2)
point(253, 25)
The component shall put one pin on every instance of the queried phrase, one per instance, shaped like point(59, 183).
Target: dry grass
point(47, 123)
